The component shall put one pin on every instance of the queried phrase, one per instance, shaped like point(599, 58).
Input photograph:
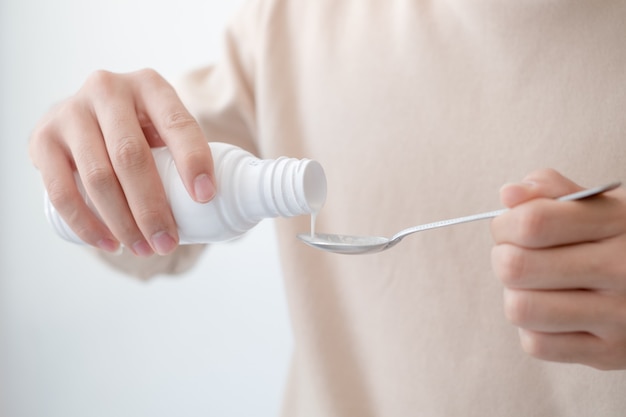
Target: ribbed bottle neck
point(295, 187)
point(263, 188)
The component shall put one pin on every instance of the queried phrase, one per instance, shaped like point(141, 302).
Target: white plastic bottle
point(248, 190)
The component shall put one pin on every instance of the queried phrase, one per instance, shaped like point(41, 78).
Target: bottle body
point(249, 190)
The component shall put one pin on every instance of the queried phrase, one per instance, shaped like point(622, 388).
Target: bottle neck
point(295, 187)
point(284, 187)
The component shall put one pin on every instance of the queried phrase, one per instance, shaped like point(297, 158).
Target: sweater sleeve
point(222, 97)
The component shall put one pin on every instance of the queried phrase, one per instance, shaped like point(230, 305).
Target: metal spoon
point(353, 245)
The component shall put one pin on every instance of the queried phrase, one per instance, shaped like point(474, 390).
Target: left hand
point(563, 265)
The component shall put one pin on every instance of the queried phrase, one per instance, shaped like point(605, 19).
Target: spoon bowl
point(355, 245)
point(346, 244)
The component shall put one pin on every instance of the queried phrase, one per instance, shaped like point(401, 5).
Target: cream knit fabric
point(420, 110)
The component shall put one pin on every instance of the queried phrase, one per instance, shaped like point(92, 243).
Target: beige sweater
point(420, 110)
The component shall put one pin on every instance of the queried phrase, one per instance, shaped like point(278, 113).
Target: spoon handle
point(590, 192)
point(448, 222)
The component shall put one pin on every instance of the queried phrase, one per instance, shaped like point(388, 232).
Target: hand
point(105, 133)
point(563, 266)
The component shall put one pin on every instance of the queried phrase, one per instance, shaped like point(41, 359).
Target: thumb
point(546, 183)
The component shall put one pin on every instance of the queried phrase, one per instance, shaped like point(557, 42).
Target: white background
point(76, 338)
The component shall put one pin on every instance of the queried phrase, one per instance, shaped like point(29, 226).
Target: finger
point(101, 184)
point(180, 132)
point(58, 178)
point(562, 311)
point(542, 223)
point(583, 348)
point(546, 183)
point(150, 132)
point(591, 265)
point(134, 168)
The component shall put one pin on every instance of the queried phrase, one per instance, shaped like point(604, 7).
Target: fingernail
point(108, 245)
point(163, 243)
point(204, 188)
point(141, 248)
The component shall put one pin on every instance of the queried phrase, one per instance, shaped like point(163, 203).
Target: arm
point(564, 272)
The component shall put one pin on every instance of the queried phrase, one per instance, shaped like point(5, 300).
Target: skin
point(105, 132)
point(563, 270)
point(561, 263)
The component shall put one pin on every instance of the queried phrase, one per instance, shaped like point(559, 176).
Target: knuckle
point(149, 218)
point(149, 79)
point(39, 142)
point(176, 117)
point(60, 196)
point(99, 178)
point(531, 222)
point(509, 264)
point(179, 120)
point(42, 134)
point(148, 215)
point(548, 174)
point(101, 82)
point(149, 75)
point(131, 153)
point(67, 204)
point(545, 177)
point(47, 134)
point(517, 307)
point(196, 157)
point(84, 230)
point(534, 345)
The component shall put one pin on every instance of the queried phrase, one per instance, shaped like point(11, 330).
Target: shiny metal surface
point(358, 245)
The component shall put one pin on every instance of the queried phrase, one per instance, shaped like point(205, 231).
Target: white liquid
point(313, 219)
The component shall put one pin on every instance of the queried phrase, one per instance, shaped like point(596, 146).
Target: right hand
point(105, 132)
